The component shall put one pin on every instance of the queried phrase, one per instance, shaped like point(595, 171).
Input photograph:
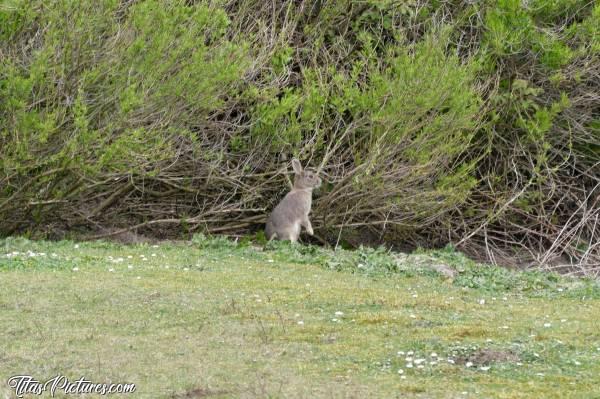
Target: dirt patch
point(426, 262)
point(198, 393)
point(484, 357)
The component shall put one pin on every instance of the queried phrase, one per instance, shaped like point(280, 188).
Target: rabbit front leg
point(306, 224)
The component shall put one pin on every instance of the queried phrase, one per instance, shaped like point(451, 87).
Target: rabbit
point(291, 213)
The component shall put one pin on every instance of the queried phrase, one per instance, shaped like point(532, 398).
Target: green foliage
point(497, 279)
point(278, 121)
point(218, 243)
point(512, 29)
point(424, 115)
point(588, 32)
point(509, 27)
point(14, 17)
point(108, 90)
point(418, 106)
point(370, 261)
point(150, 70)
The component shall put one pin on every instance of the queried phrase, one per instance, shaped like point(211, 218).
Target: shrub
point(433, 122)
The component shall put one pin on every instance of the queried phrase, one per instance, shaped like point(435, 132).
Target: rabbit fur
point(291, 214)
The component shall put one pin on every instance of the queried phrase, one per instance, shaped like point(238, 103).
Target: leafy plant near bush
point(432, 122)
point(381, 262)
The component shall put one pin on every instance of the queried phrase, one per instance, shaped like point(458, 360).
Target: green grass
point(211, 318)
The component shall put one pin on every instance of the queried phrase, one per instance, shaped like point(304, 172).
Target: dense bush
point(432, 121)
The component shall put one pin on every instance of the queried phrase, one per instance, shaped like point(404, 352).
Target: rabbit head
point(305, 179)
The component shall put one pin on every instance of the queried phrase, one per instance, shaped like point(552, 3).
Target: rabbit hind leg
point(291, 233)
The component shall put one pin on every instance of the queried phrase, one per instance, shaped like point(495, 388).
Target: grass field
point(212, 318)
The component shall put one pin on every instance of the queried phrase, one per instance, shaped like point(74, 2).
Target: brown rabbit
point(291, 213)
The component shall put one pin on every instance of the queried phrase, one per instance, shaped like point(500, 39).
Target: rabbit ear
point(297, 166)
